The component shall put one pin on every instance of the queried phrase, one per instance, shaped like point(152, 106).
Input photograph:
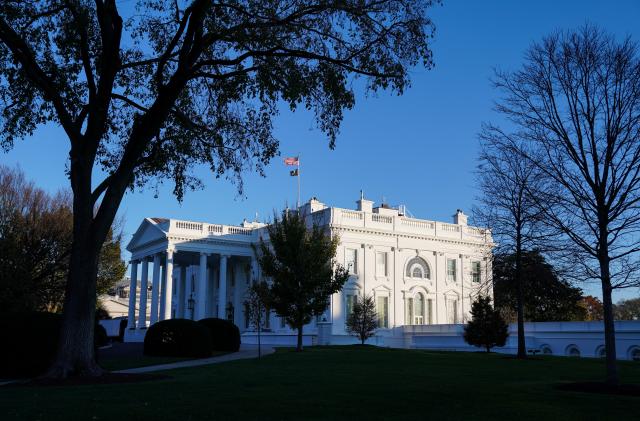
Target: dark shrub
point(123, 327)
point(100, 336)
point(30, 341)
point(224, 334)
point(178, 338)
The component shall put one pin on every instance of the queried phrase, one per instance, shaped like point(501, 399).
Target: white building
point(419, 272)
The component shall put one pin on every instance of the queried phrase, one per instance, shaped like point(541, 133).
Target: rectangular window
point(381, 264)
point(351, 260)
point(409, 311)
point(452, 311)
point(475, 271)
point(451, 270)
point(351, 299)
point(383, 311)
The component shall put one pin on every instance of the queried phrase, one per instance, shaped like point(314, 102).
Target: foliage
point(546, 296)
point(299, 260)
point(225, 336)
point(627, 309)
point(179, 84)
point(30, 342)
point(363, 320)
point(178, 338)
point(593, 308)
point(35, 245)
point(574, 106)
point(487, 328)
point(100, 336)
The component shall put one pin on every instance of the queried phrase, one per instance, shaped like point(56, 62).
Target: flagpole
point(298, 180)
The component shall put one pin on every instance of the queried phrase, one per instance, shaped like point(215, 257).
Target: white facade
point(418, 271)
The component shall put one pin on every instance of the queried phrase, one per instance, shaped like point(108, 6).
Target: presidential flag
point(294, 173)
point(292, 161)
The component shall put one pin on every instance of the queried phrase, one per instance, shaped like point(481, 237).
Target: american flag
point(291, 161)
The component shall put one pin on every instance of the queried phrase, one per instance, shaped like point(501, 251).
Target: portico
point(193, 276)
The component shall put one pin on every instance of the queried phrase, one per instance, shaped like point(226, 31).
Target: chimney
point(460, 218)
point(364, 205)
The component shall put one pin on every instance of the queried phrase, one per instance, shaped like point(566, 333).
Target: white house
point(419, 272)
point(423, 275)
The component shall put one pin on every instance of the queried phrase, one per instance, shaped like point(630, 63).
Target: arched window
point(418, 268)
point(573, 351)
point(546, 350)
point(418, 317)
point(634, 353)
point(601, 352)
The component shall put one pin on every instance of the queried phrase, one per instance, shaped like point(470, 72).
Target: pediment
point(147, 232)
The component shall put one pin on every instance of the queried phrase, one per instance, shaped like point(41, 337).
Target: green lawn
point(343, 383)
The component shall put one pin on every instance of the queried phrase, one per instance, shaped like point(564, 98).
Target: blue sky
point(419, 149)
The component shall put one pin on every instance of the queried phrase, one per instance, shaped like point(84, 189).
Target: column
point(222, 291)
point(155, 291)
point(201, 299)
point(182, 281)
point(142, 317)
point(133, 285)
point(163, 285)
point(168, 285)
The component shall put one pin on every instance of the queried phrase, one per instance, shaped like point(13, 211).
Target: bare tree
point(508, 208)
point(576, 104)
point(180, 83)
point(256, 310)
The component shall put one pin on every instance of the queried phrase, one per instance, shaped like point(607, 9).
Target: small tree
point(255, 306)
point(299, 260)
point(363, 320)
point(486, 328)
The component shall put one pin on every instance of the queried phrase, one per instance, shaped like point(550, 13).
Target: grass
point(122, 363)
point(343, 383)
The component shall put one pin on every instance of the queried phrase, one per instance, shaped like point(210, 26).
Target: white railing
point(214, 229)
point(450, 227)
point(239, 230)
point(352, 214)
point(475, 231)
point(381, 218)
point(416, 223)
point(192, 226)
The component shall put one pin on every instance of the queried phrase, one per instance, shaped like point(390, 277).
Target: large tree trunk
point(609, 328)
point(299, 346)
point(76, 353)
point(522, 348)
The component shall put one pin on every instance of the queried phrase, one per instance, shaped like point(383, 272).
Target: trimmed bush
point(178, 338)
point(100, 336)
point(30, 341)
point(224, 334)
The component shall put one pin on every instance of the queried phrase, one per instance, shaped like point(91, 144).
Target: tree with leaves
point(35, 244)
point(628, 309)
point(575, 109)
point(593, 308)
point(256, 309)
point(487, 328)
point(363, 320)
point(299, 260)
point(546, 295)
point(148, 95)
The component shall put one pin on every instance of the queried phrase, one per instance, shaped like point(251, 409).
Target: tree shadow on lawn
point(107, 378)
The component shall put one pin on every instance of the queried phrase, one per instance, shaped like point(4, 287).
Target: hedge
point(224, 334)
point(178, 338)
point(30, 342)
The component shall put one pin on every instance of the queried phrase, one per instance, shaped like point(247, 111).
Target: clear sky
point(419, 149)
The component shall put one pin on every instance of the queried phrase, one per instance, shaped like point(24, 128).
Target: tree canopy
point(299, 261)
point(35, 246)
point(172, 84)
point(546, 296)
point(487, 328)
point(363, 320)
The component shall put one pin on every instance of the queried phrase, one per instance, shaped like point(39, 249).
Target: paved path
point(246, 351)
